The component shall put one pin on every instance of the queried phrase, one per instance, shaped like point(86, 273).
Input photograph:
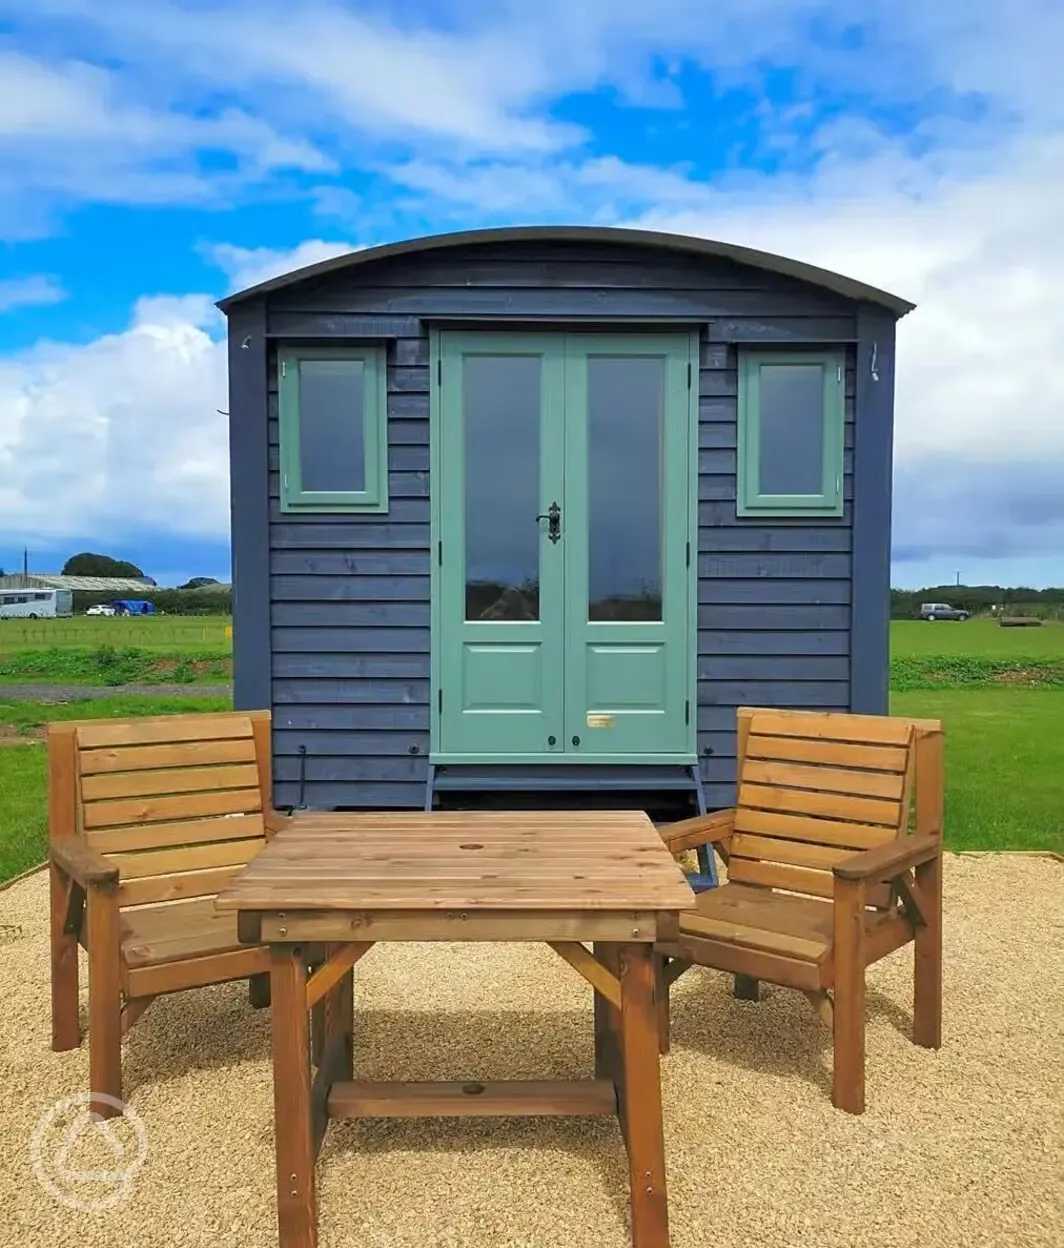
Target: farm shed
point(535, 509)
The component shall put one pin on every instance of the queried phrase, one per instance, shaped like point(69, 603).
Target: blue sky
point(156, 156)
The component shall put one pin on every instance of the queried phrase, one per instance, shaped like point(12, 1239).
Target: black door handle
point(553, 516)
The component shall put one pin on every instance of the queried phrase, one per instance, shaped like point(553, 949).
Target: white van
point(35, 604)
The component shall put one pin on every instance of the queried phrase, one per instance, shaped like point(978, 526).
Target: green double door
point(563, 491)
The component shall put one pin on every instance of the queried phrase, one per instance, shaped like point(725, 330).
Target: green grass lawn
point(114, 665)
point(153, 632)
point(1004, 764)
point(23, 785)
point(976, 638)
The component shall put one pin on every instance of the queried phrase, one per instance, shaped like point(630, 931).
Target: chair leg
point(927, 986)
point(848, 1087)
point(661, 1001)
point(105, 1004)
point(66, 1028)
point(746, 988)
point(259, 991)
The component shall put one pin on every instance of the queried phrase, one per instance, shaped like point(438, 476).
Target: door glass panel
point(791, 433)
point(332, 435)
point(502, 537)
point(626, 396)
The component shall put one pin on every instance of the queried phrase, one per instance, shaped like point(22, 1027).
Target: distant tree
point(197, 582)
point(87, 564)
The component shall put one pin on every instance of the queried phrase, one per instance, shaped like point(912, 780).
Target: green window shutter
point(791, 433)
point(333, 429)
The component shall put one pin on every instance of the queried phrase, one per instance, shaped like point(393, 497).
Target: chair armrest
point(892, 859)
point(700, 830)
point(82, 863)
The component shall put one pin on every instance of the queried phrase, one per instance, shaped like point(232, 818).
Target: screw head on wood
point(635, 931)
point(283, 931)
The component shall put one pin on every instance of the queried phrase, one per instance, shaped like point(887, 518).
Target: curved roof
point(677, 243)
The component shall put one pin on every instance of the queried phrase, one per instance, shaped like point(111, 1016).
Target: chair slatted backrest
point(176, 802)
point(814, 789)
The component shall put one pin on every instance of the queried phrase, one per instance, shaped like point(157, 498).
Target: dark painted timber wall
point(345, 658)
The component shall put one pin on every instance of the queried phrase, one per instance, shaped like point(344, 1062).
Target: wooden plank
point(165, 729)
point(856, 729)
point(159, 809)
point(773, 591)
point(66, 1029)
point(499, 925)
point(329, 974)
point(472, 1099)
point(885, 937)
point(772, 875)
point(884, 785)
point(829, 805)
point(817, 831)
point(587, 965)
point(180, 780)
point(641, 1078)
point(185, 858)
point(848, 1086)
point(105, 1000)
point(188, 832)
point(793, 853)
point(929, 815)
point(297, 1213)
point(62, 826)
point(176, 886)
point(829, 753)
point(215, 968)
point(158, 757)
point(754, 938)
point(739, 960)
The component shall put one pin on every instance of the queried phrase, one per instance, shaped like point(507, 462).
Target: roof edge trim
point(847, 287)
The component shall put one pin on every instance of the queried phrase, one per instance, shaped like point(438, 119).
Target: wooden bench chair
point(834, 857)
point(148, 820)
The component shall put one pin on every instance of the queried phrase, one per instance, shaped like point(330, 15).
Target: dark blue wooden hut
point(534, 510)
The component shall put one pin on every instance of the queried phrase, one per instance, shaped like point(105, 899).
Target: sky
point(154, 157)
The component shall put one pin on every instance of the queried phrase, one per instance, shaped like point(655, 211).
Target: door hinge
point(439, 554)
point(687, 711)
point(284, 368)
point(689, 374)
point(838, 374)
point(439, 701)
point(688, 554)
point(439, 372)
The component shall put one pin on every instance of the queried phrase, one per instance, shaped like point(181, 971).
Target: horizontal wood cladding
point(350, 611)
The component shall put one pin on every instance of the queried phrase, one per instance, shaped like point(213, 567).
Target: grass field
point(999, 692)
point(982, 638)
point(152, 632)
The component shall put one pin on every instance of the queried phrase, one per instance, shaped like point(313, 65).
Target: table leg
point(297, 1213)
point(339, 1024)
point(608, 1031)
point(641, 1081)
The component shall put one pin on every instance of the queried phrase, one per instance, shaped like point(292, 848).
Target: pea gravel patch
point(960, 1147)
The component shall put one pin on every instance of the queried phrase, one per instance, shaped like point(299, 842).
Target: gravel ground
point(963, 1147)
point(78, 693)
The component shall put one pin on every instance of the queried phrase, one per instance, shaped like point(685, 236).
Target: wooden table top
point(483, 860)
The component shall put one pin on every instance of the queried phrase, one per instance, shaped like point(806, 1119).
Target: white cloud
point(27, 292)
point(120, 434)
point(247, 266)
point(69, 132)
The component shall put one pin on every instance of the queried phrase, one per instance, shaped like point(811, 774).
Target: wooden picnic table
point(343, 882)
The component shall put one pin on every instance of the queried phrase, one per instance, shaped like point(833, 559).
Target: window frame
point(374, 497)
point(830, 501)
